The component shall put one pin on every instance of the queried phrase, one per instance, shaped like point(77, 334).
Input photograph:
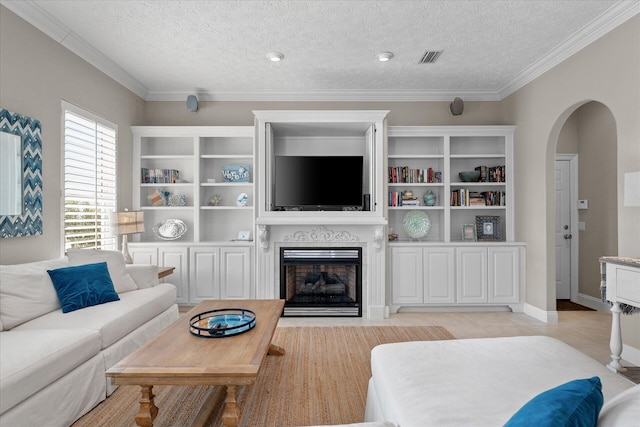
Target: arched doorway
point(586, 138)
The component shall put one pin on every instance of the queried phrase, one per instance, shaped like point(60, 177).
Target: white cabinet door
point(471, 275)
point(439, 284)
point(144, 255)
point(504, 274)
point(205, 274)
point(235, 273)
point(407, 275)
point(177, 257)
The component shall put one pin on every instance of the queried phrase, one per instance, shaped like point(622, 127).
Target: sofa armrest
point(145, 276)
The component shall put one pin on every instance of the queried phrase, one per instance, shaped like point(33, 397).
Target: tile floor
point(587, 331)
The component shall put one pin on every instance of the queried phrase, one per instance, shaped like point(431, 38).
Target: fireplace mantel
point(369, 237)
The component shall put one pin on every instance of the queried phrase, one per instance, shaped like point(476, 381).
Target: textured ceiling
point(164, 49)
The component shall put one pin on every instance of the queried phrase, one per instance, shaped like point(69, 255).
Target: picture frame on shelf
point(469, 233)
point(488, 228)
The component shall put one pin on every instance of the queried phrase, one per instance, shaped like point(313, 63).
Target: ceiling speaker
point(457, 106)
point(192, 103)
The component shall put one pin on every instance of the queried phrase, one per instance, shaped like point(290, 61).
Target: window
point(89, 179)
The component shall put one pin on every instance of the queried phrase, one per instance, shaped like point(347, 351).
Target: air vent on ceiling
point(430, 56)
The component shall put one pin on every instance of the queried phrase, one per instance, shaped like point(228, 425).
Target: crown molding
point(43, 21)
point(610, 19)
point(36, 16)
point(345, 95)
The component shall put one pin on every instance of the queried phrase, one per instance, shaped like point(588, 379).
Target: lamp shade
point(127, 222)
point(632, 189)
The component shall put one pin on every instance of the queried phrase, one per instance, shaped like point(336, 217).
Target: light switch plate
point(583, 204)
point(581, 226)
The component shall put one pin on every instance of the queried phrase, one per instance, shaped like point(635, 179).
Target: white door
point(563, 230)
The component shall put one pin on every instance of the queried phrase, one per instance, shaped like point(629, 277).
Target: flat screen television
point(318, 182)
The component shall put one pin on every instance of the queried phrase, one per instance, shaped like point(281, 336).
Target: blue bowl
point(469, 176)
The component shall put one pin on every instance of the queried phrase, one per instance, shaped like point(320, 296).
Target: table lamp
point(125, 223)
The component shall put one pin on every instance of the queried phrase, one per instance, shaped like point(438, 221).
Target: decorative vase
point(416, 224)
point(429, 198)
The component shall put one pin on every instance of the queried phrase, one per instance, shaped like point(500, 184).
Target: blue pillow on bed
point(576, 403)
point(83, 286)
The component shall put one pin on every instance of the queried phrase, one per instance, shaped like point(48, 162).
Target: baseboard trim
point(540, 314)
point(592, 302)
point(630, 354)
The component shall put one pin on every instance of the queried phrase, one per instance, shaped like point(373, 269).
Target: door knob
point(568, 236)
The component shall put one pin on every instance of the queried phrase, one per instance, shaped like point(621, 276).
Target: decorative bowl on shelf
point(469, 176)
point(416, 224)
point(170, 229)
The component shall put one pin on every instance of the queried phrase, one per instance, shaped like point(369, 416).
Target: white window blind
point(89, 179)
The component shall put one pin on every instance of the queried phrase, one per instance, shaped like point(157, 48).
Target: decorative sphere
point(416, 224)
point(429, 198)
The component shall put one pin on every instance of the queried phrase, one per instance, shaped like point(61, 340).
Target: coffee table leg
point(275, 350)
point(231, 412)
point(148, 409)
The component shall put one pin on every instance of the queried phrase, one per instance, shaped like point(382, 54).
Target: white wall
point(36, 73)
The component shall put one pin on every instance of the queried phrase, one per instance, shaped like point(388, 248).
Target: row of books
point(397, 198)
point(159, 176)
point(464, 197)
point(407, 175)
point(491, 174)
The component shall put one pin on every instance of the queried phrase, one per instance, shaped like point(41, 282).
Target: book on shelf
point(397, 198)
point(491, 174)
point(159, 176)
point(464, 197)
point(407, 175)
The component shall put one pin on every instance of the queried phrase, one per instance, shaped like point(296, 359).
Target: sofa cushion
point(575, 403)
point(32, 359)
point(113, 320)
point(145, 276)
point(122, 281)
point(622, 410)
point(493, 377)
point(82, 286)
point(26, 291)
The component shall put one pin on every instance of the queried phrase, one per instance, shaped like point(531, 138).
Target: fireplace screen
point(321, 281)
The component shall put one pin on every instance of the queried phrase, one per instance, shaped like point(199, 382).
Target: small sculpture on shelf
point(215, 200)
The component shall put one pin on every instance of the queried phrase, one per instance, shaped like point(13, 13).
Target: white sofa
point(483, 382)
point(53, 364)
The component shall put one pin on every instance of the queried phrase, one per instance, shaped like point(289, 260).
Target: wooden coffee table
point(176, 357)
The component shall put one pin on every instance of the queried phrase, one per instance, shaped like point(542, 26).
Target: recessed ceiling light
point(384, 56)
point(275, 56)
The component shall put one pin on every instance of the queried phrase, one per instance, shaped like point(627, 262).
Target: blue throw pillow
point(83, 286)
point(576, 403)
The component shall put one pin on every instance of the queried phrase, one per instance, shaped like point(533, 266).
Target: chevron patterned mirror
point(21, 175)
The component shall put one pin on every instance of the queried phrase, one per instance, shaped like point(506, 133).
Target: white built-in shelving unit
point(210, 260)
point(442, 268)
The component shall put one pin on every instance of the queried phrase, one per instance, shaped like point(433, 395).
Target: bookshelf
point(443, 269)
point(447, 151)
point(210, 259)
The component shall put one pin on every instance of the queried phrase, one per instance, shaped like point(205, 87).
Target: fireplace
point(321, 281)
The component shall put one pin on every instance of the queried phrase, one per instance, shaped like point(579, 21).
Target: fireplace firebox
point(321, 281)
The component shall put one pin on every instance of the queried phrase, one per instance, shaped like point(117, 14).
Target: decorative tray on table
point(222, 323)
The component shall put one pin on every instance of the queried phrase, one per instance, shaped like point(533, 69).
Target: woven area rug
point(322, 379)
